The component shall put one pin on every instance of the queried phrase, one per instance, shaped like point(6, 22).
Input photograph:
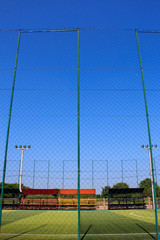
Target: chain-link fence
point(79, 134)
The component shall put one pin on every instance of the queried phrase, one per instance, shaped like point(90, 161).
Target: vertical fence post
point(92, 174)
point(78, 119)
point(149, 134)
point(137, 172)
point(63, 175)
point(107, 172)
point(8, 128)
point(48, 174)
point(34, 169)
point(122, 169)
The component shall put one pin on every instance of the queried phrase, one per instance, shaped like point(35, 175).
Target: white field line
point(141, 216)
point(74, 235)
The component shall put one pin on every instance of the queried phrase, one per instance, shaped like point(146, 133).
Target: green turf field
point(95, 225)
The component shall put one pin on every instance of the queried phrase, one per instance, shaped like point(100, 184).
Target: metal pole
point(8, 128)
point(137, 172)
point(107, 173)
point(122, 169)
point(150, 161)
point(48, 174)
point(34, 169)
point(20, 173)
point(92, 176)
point(63, 175)
point(78, 122)
point(149, 134)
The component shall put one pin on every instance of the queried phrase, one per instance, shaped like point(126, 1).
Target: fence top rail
point(75, 29)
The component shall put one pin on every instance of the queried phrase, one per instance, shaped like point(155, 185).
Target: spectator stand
point(68, 199)
point(126, 198)
point(39, 199)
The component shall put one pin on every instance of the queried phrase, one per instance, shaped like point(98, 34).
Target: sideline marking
point(140, 216)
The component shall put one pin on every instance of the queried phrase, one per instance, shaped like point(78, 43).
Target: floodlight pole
point(20, 173)
point(151, 178)
point(151, 170)
point(21, 166)
point(92, 174)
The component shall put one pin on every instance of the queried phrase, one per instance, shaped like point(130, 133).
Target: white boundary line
point(141, 216)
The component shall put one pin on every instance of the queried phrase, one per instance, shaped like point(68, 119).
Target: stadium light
point(21, 167)
point(151, 169)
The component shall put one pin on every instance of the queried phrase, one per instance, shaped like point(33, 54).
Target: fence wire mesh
point(81, 157)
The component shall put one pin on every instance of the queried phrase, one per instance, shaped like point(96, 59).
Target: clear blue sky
point(82, 13)
point(49, 61)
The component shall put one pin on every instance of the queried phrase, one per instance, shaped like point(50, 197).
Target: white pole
point(20, 173)
point(151, 178)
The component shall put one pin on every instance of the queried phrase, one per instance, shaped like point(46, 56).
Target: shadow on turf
point(25, 232)
point(86, 232)
point(146, 231)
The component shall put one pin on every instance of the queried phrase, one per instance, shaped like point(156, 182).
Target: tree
point(147, 185)
point(121, 185)
point(105, 191)
point(10, 189)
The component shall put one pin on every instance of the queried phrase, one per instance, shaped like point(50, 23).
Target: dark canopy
point(125, 190)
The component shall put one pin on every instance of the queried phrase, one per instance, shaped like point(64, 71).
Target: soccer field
point(95, 225)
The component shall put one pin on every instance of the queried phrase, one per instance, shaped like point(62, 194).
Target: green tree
point(10, 189)
point(121, 185)
point(105, 191)
point(147, 185)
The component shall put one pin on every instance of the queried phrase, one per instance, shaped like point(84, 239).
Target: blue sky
point(84, 13)
point(113, 124)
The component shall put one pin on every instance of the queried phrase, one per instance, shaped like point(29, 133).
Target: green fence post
point(78, 119)
point(122, 169)
point(137, 172)
point(92, 174)
point(149, 133)
point(48, 174)
point(63, 175)
point(8, 128)
point(34, 169)
point(107, 173)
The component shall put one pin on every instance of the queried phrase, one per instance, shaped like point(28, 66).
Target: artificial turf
point(95, 225)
